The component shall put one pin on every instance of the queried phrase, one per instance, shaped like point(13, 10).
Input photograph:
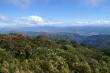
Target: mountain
point(20, 53)
point(92, 36)
point(83, 30)
point(99, 41)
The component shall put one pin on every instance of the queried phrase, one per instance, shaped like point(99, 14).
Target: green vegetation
point(24, 54)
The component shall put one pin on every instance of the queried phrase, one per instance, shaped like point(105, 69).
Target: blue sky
point(54, 13)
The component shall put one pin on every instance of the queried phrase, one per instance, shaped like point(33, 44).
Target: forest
point(21, 53)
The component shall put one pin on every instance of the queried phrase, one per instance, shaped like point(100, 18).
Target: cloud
point(24, 4)
point(18, 3)
point(93, 23)
point(4, 19)
point(92, 3)
point(33, 19)
point(7, 21)
point(28, 3)
point(81, 22)
point(27, 21)
point(37, 20)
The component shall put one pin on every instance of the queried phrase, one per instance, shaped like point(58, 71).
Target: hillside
point(96, 36)
point(25, 54)
point(99, 41)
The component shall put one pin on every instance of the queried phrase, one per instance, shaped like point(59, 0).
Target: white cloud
point(33, 19)
point(7, 21)
point(18, 3)
point(39, 21)
point(82, 22)
point(92, 3)
point(92, 23)
point(24, 4)
point(28, 3)
point(27, 21)
point(4, 19)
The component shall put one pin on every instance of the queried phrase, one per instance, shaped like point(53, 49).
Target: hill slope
point(23, 54)
point(99, 41)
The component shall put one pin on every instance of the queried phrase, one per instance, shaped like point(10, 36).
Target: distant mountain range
point(82, 30)
point(99, 41)
point(93, 36)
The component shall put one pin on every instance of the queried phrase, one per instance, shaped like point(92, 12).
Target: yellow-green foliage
point(23, 54)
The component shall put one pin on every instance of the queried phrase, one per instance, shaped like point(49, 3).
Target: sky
point(23, 13)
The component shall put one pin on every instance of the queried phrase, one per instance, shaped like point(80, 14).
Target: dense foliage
point(25, 54)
